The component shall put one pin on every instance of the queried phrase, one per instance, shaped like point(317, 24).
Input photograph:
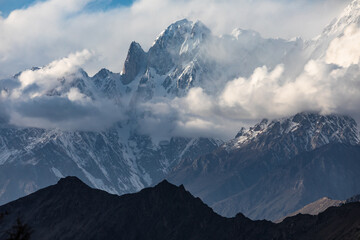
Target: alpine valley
point(268, 171)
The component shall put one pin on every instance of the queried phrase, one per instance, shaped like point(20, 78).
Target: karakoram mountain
point(267, 171)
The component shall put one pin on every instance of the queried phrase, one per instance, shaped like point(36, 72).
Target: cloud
point(58, 95)
point(49, 30)
point(47, 77)
point(54, 108)
point(342, 50)
point(320, 87)
point(252, 95)
point(63, 113)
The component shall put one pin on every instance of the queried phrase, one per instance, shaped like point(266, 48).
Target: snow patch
point(57, 172)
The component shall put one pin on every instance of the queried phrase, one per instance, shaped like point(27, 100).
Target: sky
point(7, 6)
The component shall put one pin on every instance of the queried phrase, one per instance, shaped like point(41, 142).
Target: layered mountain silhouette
point(72, 210)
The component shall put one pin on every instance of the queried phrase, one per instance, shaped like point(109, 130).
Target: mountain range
point(267, 171)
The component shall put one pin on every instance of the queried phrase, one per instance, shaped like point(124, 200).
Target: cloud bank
point(328, 84)
point(321, 87)
point(58, 95)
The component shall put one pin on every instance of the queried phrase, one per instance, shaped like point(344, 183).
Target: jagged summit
point(135, 62)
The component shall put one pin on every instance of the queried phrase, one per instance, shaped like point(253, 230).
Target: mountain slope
point(72, 210)
point(316, 207)
point(277, 167)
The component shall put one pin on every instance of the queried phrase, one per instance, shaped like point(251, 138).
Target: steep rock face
point(72, 210)
point(277, 167)
point(135, 63)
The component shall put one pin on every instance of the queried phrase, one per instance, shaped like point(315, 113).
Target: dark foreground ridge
point(72, 210)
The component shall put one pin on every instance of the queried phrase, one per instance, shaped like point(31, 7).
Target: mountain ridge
point(72, 210)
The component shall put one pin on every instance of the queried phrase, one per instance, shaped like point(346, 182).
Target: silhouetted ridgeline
point(72, 210)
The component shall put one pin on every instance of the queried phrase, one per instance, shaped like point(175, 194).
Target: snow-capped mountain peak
point(179, 30)
point(301, 132)
point(350, 15)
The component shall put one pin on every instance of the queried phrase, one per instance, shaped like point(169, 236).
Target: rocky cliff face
point(135, 63)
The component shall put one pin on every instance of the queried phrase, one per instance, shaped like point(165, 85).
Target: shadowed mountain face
point(276, 168)
point(72, 210)
point(316, 207)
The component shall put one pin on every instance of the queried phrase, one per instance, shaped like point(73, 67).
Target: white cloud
point(254, 92)
point(48, 76)
point(342, 50)
point(320, 87)
point(58, 95)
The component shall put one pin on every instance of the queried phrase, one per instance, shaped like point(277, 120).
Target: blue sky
point(6, 6)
